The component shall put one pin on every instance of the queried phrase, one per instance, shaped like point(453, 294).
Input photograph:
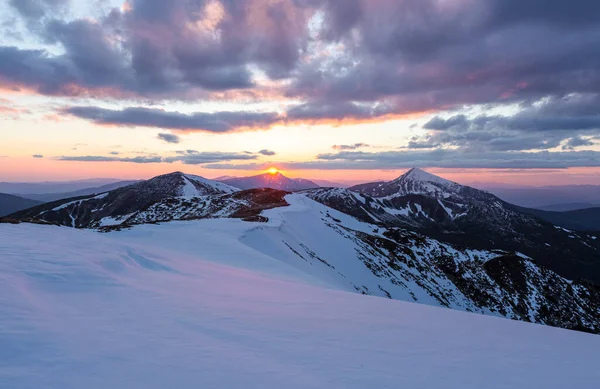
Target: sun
point(272, 170)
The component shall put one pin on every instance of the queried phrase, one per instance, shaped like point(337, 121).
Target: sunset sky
point(354, 90)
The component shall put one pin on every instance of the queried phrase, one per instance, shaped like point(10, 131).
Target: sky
point(348, 91)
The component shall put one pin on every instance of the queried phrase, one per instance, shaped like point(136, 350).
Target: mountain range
point(270, 180)
point(48, 197)
point(29, 188)
point(418, 238)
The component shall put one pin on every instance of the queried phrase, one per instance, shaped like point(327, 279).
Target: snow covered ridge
point(171, 305)
point(116, 206)
point(415, 181)
point(458, 252)
point(343, 252)
point(462, 215)
point(399, 264)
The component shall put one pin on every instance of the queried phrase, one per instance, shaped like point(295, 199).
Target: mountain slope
point(345, 253)
point(48, 197)
point(469, 218)
point(365, 246)
point(126, 312)
point(395, 263)
point(415, 181)
point(11, 203)
point(271, 180)
point(119, 204)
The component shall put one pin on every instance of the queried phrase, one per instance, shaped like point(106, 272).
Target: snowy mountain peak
point(122, 203)
point(415, 181)
point(416, 174)
point(178, 184)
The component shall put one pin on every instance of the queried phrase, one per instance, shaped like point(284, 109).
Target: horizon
point(316, 91)
point(273, 170)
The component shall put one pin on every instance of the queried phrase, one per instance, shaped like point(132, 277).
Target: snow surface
point(417, 181)
point(189, 189)
point(177, 305)
point(206, 182)
point(417, 174)
point(67, 204)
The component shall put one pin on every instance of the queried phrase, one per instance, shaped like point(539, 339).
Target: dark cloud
point(162, 48)
point(566, 14)
point(453, 159)
point(577, 141)
point(349, 147)
point(456, 159)
point(169, 138)
point(426, 55)
point(543, 125)
point(395, 56)
point(267, 152)
point(338, 111)
point(35, 9)
point(357, 60)
point(37, 156)
point(219, 122)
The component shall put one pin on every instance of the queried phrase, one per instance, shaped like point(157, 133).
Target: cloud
point(540, 125)
point(350, 147)
point(328, 62)
point(35, 9)
point(193, 157)
point(37, 156)
point(422, 53)
point(188, 157)
point(577, 141)
point(99, 158)
point(169, 138)
point(395, 160)
point(448, 158)
point(267, 152)
point(323, 110)
point(219, 122)
point(154, 48)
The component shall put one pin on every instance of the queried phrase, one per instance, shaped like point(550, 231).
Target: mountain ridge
point(271, 180)
point(12, 203)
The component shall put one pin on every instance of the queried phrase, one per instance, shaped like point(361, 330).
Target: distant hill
point(330, 184)
point(564, 207)
point(581, 219)
point(270, 180)
point(17, 188)
point(47, 197)
point(11, 203)
point(548, 195)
